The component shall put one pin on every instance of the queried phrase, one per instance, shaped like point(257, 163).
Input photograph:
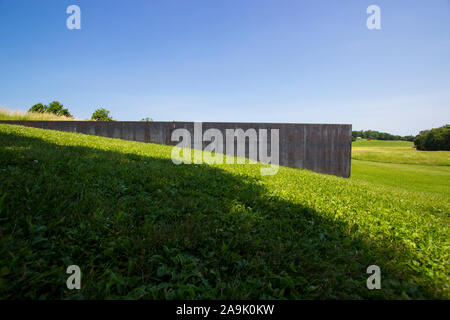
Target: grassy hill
point(141, 227)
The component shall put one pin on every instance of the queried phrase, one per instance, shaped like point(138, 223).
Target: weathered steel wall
point(324, 148)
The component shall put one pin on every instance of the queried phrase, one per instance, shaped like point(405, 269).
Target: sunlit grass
point(433, 180)
point(403, 155)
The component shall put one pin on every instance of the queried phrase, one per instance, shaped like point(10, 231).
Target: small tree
point(65, 113)
point(147, 119)
point(101, 114)
point(56, 107)
point(38, 108)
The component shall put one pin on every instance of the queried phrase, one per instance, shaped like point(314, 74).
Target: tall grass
point(20, 115)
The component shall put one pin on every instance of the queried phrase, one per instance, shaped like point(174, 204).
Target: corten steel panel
point(324, 148)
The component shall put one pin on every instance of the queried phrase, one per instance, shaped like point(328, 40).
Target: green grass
point(403, 155)
point(402, 167)
point(141, 227)
point(434, 180)
point(381, 143)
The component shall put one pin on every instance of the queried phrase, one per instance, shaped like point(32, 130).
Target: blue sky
point(226, 60)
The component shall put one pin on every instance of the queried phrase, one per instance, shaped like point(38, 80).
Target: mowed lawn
point(381, 143)
point(140, 226)
point(434, 180)
point(398, 164)
point(389, 152)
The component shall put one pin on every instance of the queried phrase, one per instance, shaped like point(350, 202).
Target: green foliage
point(101, 114)
point(434, 139)
point(38, 107)
point(373, 134)
point(147, 119)
point(141, 227)
point(54, 107)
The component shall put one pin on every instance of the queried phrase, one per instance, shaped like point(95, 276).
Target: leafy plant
point(38, 107)
point(54, 107)
point(434, 139)
point(101, 114)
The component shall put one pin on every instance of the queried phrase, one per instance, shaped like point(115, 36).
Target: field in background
point(388, 163)
point(141, 227)
point(381, 143)
point(428, 179)
point(18, 115)
point(403, 155)
point(397, 152)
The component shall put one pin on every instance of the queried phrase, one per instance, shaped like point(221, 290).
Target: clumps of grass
point(20, 115)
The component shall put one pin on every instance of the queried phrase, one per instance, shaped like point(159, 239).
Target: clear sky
point(232, 60)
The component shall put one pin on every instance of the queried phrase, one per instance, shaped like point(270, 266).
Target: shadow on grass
point(142, 227)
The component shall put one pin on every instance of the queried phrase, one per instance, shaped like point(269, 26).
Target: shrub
point(54, 107)
point(38, 108)
point(434, 139)
point(101, 114)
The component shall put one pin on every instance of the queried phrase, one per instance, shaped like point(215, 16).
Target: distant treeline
point(372, 134)
point(434, 139)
